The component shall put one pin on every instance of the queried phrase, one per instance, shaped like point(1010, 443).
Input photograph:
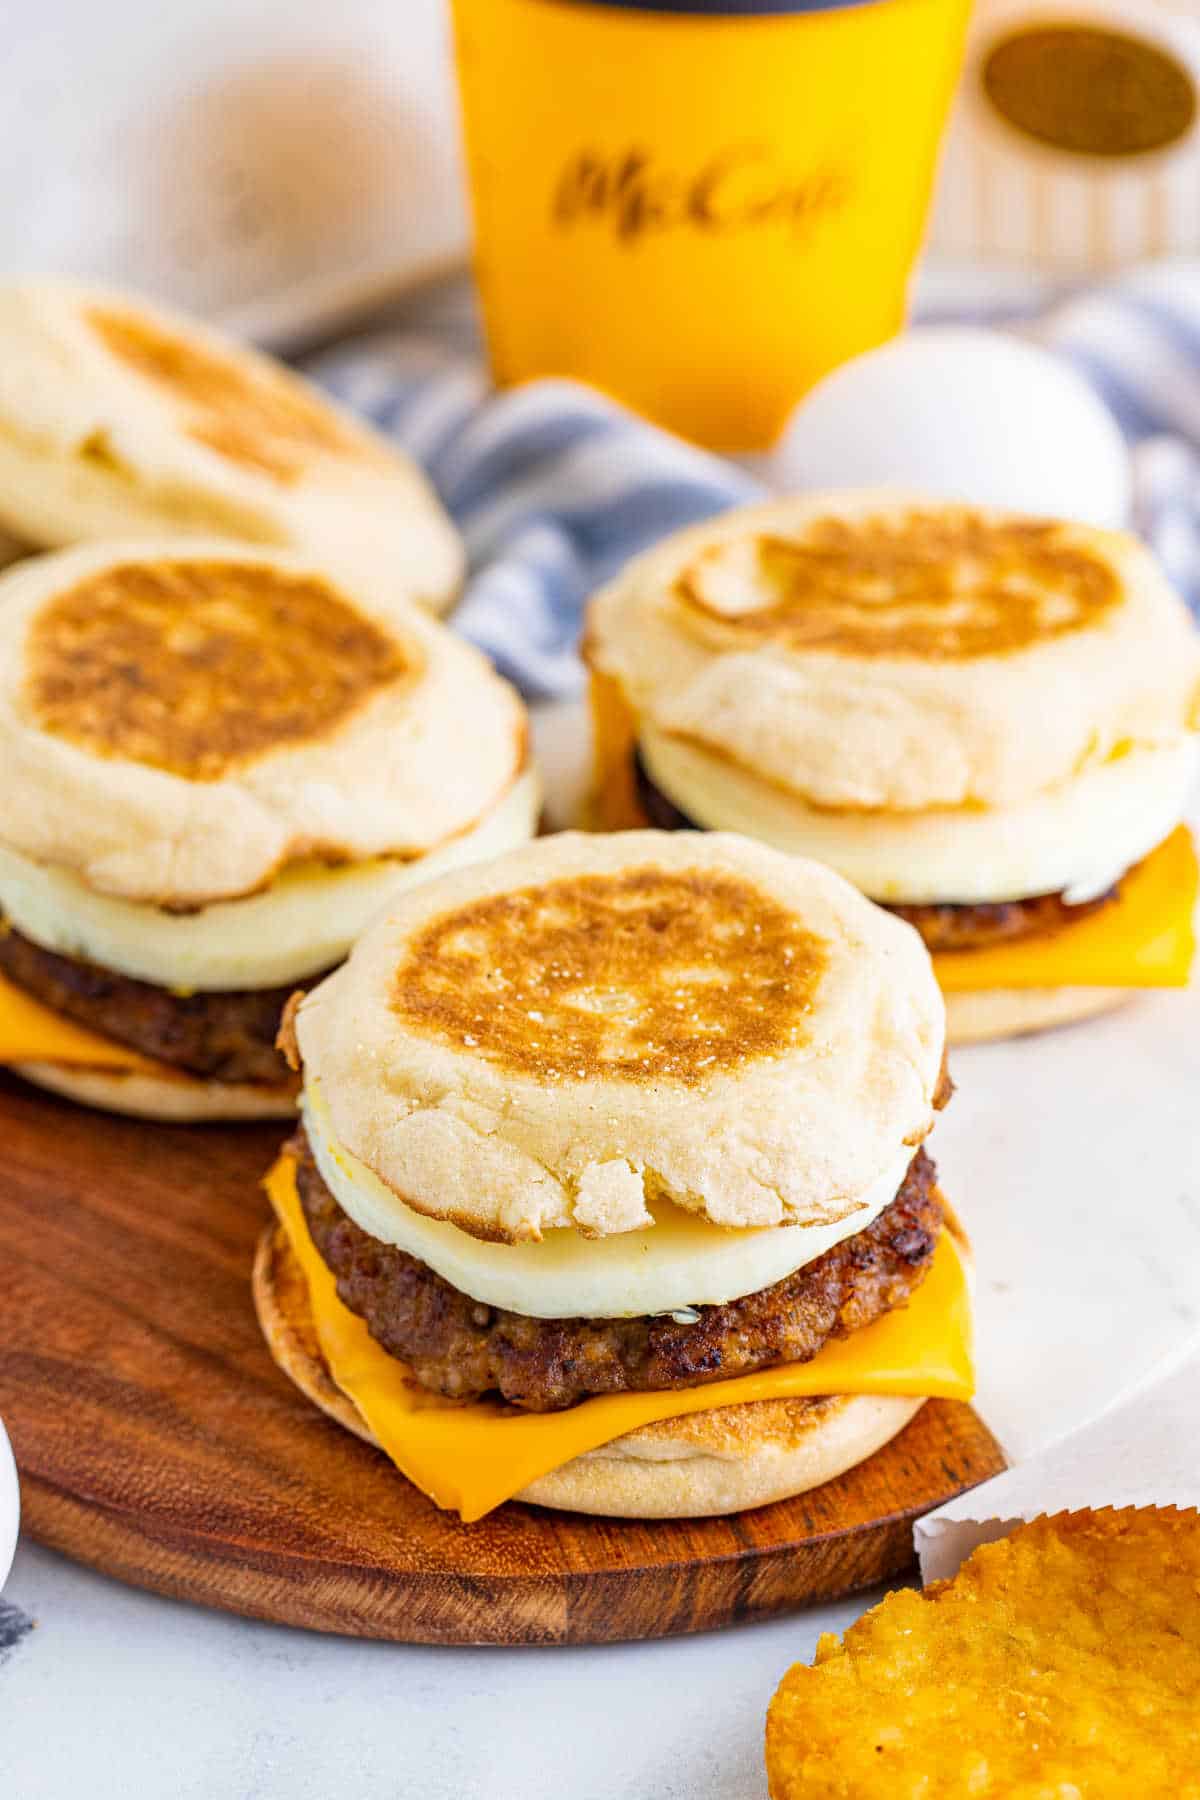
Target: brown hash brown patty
point(217, 1036)
point(461, 1348)
point(948, 926)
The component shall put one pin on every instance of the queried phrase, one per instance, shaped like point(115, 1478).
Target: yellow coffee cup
point(700, 208)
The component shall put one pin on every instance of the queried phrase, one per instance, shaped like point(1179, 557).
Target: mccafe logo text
point(739, 189)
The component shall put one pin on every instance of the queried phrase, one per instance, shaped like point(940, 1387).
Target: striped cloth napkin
point(554, 486)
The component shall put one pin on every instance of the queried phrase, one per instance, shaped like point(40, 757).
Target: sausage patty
point(459, 1347)
point(955, 927)
point(219, 1036)
point(945, 925)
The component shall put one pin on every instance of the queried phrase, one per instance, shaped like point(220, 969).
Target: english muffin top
point(872, 651)
point(588, 1024)
point(180, 720)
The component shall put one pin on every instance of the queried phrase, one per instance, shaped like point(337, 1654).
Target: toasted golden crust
point(878, 652)
point(713, 996)
point(172, 1097)
point(1062, 1660)
point(197, 667)
point(180, 722)
point(281, 1302)
point(753, 1462)
point(245, 409)
point(122, 419)
point(943, 584)
point(564, 1035)
point(726, 1460)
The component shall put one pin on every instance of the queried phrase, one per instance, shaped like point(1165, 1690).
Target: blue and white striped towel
point(554, 487)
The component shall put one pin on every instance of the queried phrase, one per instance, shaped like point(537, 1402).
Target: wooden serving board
point(157, 1441)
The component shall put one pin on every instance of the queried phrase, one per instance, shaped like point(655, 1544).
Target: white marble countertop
point(1075, 1161)
point(115, 1693)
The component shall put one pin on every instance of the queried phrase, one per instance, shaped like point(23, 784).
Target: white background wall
point(221, 152)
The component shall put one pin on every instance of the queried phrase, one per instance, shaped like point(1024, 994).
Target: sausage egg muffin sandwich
point(219, 763)
point(611, 1191)
point(986, 722)
point(119, 418)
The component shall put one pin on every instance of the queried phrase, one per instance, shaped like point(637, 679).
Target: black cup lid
point(724, 9)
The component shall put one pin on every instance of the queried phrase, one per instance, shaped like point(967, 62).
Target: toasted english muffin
point(872, 652)
point(181, 722)
point(169, 1096)
point(1015, 1012)
point(121, 418)
point(514, 1050)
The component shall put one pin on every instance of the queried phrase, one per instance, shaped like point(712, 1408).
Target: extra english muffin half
point(120, 418)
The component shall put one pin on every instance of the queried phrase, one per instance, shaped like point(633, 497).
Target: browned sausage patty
point(948, 926)
point(954, 927)
point(219, 1036)
point(457, 1346)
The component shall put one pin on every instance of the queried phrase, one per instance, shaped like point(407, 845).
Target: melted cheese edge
point(1146, 938)
point(469, 1457)
point(31, 1032)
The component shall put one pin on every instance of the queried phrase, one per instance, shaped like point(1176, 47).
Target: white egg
point(962, 414)
point(10, 1506)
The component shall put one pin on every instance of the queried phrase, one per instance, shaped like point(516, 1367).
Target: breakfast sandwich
point(219, 763)
point(611, 1190)
point(986, 722)
point(120, 419)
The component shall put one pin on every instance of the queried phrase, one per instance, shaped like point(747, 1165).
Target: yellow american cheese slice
point(31, 1032)
point(471, 1456)
point(1143, 939)
point(615, 802)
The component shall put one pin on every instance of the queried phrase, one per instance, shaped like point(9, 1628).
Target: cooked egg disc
point(680, 1261)
point(1077, 839)
point(303, 923)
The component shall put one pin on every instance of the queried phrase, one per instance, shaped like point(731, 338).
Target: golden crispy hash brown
point(1062, 1663)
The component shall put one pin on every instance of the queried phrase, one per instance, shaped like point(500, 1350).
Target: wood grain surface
point(157, 1441)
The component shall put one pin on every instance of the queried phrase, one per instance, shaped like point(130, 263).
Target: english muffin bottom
point(170, 1098)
